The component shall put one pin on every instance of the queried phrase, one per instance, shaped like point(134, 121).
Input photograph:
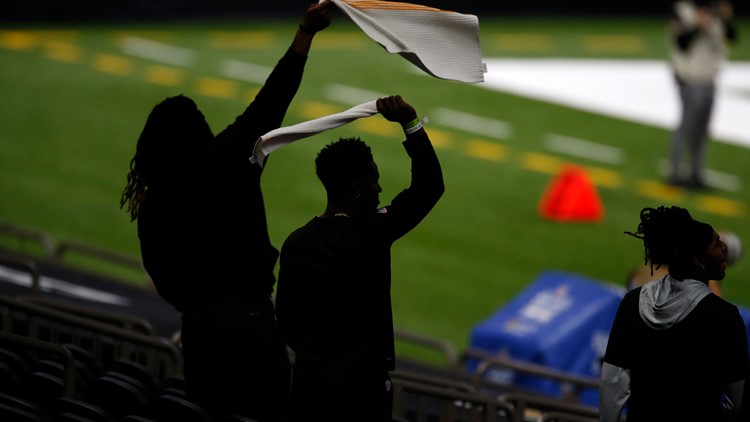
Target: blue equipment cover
point(745, 314)
point(561, 321)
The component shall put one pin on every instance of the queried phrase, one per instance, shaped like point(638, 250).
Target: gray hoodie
point(662, 303)
point(666, 302)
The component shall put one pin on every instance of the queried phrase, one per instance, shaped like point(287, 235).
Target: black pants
point(340, 398)
point(236, 362)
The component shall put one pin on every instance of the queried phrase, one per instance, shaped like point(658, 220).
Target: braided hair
point(135, 189)
point(175, 129)
point(671, 236)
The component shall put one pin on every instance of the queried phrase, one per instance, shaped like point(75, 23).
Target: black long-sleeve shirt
point(204, 237)
point(333, 300)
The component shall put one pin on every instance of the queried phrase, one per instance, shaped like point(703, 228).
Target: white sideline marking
point(350, 95)
point(235, 69)
point(638, 90)
point(158, 52)
point(49, 284)
point(585, 149)
point(472, 123)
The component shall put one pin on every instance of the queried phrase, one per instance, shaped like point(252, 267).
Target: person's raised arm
point(317, 17)
point(267, 110)
point(411, 205)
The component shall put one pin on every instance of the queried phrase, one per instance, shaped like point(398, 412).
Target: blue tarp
point(562, 321)
point(745, 314)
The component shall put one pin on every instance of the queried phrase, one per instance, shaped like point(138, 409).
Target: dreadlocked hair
point(670, 235)
point(174, 129)
point(134, 191)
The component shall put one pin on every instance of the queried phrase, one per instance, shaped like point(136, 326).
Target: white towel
point(442, 43)
point(277, 138)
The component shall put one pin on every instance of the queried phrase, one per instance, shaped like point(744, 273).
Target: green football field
point(74, 99)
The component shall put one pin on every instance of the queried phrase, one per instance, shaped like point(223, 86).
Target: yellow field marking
point(486, 150)
point(721, 206)
point(58, 35)
point(313, 109)
point(113, 64)
point(164, 75)
point(540, 163)
point(613, 43)
point(63, 51)
point(605, 177)
point(219, 88)
point(340, 40)
point(440, 139)
point(658, 190)
point(251, 94)
point(522, 42)
point(18, 40)
point(378, 126)
point(242, 39)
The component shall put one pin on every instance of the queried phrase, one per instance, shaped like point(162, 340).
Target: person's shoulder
point(632, 294)
point(301, 232)
point(719, 306)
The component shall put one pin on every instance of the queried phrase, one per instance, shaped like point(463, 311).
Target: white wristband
point(420, 124)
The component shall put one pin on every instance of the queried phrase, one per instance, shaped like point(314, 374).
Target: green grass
point(68, 130)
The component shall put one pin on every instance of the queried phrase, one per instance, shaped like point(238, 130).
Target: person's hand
point(726, 11)
point(318, 16)
point(703, 17)
point(395, 109)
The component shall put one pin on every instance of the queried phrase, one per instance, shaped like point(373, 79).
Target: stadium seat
point(15, 364)
point(50, 367)
point(67, 408)
point(175, 386)
point(135, 418)
point(42, 388)
point(84, 377)
point(9, 413)
point(120, 398)
point(134, 371)
point(234, 418)
point(170, 408)
point(9, 379)
point(70, 417)
point(13, 408)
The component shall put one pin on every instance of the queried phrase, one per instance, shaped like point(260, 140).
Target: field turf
point(74, 100)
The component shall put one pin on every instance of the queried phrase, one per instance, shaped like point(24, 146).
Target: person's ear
point(699, 262)
point(354, 189)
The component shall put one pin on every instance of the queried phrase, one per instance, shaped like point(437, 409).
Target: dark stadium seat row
point(64, 362)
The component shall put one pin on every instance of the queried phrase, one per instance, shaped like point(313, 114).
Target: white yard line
point(471, 123)
point(350, 95)
point(158, 52)
point(585, 149)
point(242, 71)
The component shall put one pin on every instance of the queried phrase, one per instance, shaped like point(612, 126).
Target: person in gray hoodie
point(676, 351)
